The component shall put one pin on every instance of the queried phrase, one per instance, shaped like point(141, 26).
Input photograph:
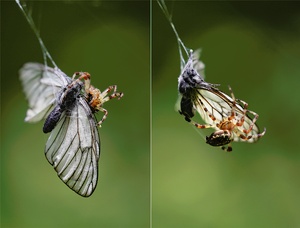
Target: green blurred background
point(110, 40)
point(255, 48)
point(252, 46)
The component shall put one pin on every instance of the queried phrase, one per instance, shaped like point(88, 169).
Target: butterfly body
point(67, 101)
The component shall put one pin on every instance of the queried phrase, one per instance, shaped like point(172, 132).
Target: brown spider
point(233, 125)
point(94, 96)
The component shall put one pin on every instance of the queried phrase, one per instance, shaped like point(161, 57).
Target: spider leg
point(197, 125)
point(228, 149)
point(100, 98)
point(246, 131)
point(113, 95)
point(239, 122)
point(234, 104)
point(242, 120)
point(245, 137)
point(104, 116)
point(82, 75)
point(262, 133)
point(75, 74)
point(255, 137)
point(245, 109)
point(201, 126)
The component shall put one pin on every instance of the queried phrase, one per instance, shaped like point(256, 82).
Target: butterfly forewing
point(198, 65)
point(73, 149)
point(41, 85)
point(218, 104)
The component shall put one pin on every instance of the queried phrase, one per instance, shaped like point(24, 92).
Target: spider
point(95, 97)
point(231, 125)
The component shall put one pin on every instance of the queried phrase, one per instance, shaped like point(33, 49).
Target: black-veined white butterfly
point(229, 116)
point(68, 105)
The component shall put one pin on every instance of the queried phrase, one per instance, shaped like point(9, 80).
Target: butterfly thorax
point(69, 97)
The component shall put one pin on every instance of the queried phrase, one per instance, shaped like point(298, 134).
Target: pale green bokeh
point(244, 45)
point(252, 46)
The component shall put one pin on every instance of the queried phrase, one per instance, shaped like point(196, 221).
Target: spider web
point(182, 49)
point(28, 15)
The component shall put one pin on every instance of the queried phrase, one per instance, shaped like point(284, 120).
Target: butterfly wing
point(41, 84)
point(198, 65)
point(219, 105)
point(213, 105)
point(73, 149)
point(211, 101)
point(246, 125)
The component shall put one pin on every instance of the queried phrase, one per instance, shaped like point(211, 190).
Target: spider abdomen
point(219, 138)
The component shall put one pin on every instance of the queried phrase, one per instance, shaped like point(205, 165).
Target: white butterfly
point(227, 115)
point(73, 148)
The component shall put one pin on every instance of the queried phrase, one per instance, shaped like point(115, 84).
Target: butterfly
point(68, 106)
point(230, 117)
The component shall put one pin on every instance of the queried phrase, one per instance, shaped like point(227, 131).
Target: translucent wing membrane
point(73, 149)
point(198, 65)
point(214, 106)
point(217, 104)
point(68, 105)
point(41, 85)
